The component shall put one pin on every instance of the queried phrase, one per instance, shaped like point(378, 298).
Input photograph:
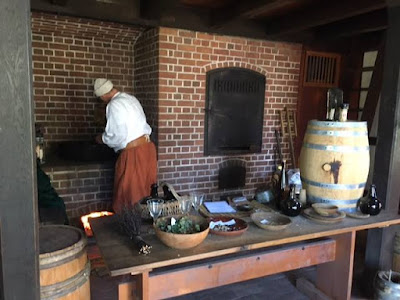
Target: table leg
point(142, 285)
point(126, 291)
point(335, 278)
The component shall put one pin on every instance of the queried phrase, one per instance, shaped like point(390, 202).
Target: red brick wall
point(185, 57)
point(84, 188)
point(68, 54)
point(146, 76)
point(168, 68)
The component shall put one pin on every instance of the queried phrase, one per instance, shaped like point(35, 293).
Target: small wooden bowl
point(182, 241)
point(325, 209)
point(270, 221)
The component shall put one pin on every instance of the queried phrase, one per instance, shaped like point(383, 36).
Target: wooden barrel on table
point(334, 162)
point(63, 263)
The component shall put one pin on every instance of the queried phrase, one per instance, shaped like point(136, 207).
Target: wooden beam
point(370, 22)
point(386, 174)
point(247, 10)
point(18, 191)
point(121, 11)
point(374, 89)
point(318, 15)
point(208, 275)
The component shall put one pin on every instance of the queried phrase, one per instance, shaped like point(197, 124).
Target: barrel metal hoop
point(315, 199)
point(60, 289)
point(333, 186)
point(59, 262)
point(337, 133)
point(338, 124)
point(335, 148)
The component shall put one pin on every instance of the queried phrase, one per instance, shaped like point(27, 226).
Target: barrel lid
point(56, 237)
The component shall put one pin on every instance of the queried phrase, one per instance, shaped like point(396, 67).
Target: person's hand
point(99, 139)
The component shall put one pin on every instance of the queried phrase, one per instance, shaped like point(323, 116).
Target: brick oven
point(165, 69)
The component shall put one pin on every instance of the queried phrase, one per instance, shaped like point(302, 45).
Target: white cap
point(102, 86)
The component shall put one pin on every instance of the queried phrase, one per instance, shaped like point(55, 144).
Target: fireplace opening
point(232, 174)
point(85, 220)
point(84, 151)
point(234, 111)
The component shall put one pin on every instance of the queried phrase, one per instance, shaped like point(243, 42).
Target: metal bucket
point(386, 289)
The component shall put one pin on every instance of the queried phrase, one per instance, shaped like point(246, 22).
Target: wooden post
point(335, 278)
point(386, 174)
point(18, 204)
point(142, 285)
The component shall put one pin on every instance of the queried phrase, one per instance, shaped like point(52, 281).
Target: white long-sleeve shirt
point(126, 121)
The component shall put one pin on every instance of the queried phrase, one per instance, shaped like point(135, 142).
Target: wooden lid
point(57, 237)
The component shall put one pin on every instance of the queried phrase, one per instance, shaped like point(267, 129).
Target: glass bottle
point(167, 193)
point(371, 204)
point(291, 206)
point(154, 190)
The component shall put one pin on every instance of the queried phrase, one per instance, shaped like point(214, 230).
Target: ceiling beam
point(120, 11)
point(371, 22)
point(320, 15)
point(246, 10)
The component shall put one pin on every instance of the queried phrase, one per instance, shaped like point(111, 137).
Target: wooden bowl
point(238, 228)
point(325, 209)
point(182, 241)
point(270, 221)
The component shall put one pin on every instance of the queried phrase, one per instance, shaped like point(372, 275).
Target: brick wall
point(168, 68)
point(84, 188)
point(146, 76)
point(185, 57)
point(68, 54)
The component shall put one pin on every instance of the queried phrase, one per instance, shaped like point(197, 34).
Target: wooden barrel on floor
point(63, 263)
point(334, 162)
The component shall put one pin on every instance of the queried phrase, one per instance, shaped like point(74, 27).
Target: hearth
point(85, 151)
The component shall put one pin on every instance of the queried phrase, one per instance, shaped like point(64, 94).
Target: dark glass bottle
point(371, 204)
point(153, 194)
point(154, 190)
point(291, 206)
point(167, 193)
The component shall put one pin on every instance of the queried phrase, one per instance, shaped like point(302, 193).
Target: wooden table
point(222, 260)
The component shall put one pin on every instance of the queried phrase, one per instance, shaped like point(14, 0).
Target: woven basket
point(170, 207)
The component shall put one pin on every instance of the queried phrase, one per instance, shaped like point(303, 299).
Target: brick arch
point(232, 63)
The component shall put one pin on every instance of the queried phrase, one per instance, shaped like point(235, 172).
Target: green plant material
point(183, 226)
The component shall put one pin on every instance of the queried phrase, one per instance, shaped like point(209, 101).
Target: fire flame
point(85, 220)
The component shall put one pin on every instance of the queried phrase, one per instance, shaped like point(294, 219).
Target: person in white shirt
point(127, 132)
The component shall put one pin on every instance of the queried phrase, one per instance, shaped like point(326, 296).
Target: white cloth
point(126, 121)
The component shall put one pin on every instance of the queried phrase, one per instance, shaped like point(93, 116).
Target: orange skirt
point(135, 172)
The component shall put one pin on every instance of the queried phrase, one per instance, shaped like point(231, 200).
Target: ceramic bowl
point(270, 221)
point(238, 228)
point(182, 241)
point(325, 209)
